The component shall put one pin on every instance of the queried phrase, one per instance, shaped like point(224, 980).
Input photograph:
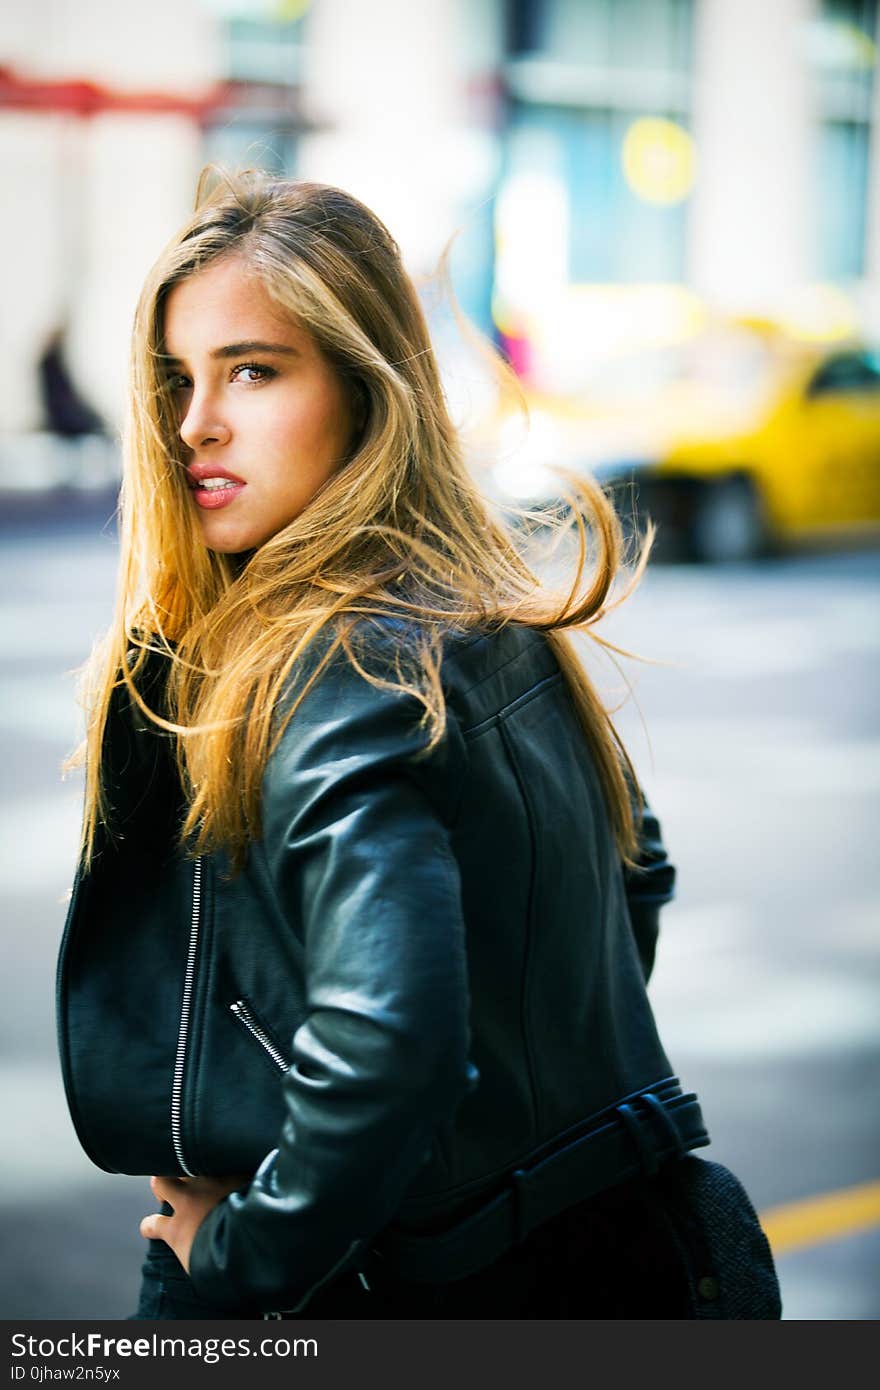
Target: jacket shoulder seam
point(545, 683)
point(524, 652)
point(534, 1090)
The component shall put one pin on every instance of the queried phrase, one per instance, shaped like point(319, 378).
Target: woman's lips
point(212, 498)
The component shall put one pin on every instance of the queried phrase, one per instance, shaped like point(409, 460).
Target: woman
point(357, 952)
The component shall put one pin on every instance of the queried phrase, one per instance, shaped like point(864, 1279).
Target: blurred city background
point(666, 214)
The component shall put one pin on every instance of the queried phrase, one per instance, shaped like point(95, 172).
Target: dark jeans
point(622, 1254)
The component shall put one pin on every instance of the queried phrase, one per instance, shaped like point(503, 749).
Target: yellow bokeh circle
point(659, 160)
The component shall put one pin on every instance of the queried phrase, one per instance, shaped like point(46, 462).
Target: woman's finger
point(151, 1227)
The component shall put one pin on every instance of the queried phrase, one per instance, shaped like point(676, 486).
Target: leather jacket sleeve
point(648, 888)
point(356, 838)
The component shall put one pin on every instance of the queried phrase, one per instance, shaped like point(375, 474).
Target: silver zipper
point(241, 1011)
point(183, 1032)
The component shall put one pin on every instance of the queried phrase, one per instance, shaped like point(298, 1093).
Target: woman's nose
point(201, 427)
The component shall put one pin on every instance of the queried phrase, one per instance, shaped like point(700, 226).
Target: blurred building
point(695, 151)
point(609, 165)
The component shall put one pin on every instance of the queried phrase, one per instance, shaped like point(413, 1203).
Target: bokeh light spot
point(659, 160)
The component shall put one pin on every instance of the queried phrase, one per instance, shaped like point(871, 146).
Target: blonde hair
point(399, 531)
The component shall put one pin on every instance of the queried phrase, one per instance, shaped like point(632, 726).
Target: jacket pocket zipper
point(245, 1014)
point(183, 1031)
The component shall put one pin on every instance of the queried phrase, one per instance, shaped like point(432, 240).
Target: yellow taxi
point(742, 440)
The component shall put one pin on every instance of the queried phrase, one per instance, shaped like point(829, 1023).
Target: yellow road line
point(796, 1225)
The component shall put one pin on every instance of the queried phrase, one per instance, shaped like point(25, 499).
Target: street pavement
point(760, 752)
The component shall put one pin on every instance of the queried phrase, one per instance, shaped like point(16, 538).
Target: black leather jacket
point(429, 968)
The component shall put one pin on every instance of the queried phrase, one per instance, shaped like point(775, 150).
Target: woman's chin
point(229, 539)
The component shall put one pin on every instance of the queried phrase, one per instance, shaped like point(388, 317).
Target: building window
point(600, 107)
point(264, 50)
point(843, 58)
point(263, 65)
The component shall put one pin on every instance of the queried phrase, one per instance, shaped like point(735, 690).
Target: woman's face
point(264, 417)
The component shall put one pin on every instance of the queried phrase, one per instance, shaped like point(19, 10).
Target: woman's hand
point(192, 1199)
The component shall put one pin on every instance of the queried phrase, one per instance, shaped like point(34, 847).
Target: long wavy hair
point(400, 531)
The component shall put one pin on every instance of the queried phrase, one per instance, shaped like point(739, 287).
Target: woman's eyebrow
point(238, 349)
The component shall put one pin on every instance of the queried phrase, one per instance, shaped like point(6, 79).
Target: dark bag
point(727, 1255)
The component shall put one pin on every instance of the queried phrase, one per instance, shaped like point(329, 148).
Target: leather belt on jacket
point(634, 1137)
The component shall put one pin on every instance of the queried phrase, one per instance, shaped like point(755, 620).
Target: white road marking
point(748, 756)
point(700, 931)
point(742, 1016)
point(62, 631)
point(41, 706)
point(747, 644)
point(40, 1152)
point(759, 647)
point(38, 842)
point(855, 931)
point(714, 1000)
point(829, 769)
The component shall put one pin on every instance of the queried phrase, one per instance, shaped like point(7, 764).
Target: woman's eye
point(255, 372)
point(177, 382)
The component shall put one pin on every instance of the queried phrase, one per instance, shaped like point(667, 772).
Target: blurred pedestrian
point(66, 412)
point(357, 953)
